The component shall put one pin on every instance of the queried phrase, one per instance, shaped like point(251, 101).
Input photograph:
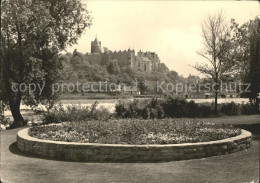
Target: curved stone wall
point(94, 152)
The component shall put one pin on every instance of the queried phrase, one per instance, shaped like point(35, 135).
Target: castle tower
point(96, 46)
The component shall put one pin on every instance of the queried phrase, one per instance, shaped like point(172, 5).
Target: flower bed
point(135, 131)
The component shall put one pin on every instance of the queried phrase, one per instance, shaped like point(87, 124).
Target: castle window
point(139, 64)
point(144, 67)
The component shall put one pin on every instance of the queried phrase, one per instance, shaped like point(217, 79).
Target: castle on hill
point(145, 61)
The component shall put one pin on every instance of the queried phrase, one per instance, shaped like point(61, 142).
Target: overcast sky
point(170, 28)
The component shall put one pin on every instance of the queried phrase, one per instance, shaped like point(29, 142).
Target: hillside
point(77, 67)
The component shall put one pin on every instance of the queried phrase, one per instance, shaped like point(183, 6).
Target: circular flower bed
point(135, 131)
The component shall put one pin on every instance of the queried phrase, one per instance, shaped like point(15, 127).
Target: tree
point(106, 57)
point(217, 51)
point(33, 33)
point(1, 75)
point(113, 67)
point(174, 76)
point(247, 43)
point(79, 60)
point(163, 68)
point(192, 79)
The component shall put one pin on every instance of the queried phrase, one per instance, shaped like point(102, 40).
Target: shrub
point(230, 109)
point(193, 109)
point(75, 113)
point(51, 117)
point(248, 109)
point(205, 110)
point(155, 108)
point(5, 121)
point(176, 108)
point(140, 109)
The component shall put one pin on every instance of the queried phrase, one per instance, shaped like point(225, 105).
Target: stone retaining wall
point(94, 152)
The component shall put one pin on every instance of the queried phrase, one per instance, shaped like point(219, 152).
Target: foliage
point(230, 109)
point(247, 43)
point(159, 108)
point(75, 113)
point(96, 73)
point(248, 109)
point(135, 131)
point(176, 108)
point(140, 109)
point(78, 60)
point(183, 108)
point(245, 37)
point(113, 67)
point(174, 76)
point(163, 68)
point(80, 68)
point(5, 121)
point(33, 32)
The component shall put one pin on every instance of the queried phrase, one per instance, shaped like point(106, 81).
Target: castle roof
point(96, 40)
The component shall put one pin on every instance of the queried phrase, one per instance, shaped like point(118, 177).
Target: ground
point(238, 167)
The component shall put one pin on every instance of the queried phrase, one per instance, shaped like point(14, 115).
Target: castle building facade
point(144, 61)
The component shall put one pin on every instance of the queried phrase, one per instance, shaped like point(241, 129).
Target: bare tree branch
point(217, 48)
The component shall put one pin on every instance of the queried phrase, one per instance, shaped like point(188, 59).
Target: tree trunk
point(18, 118)
point(257, 105)
point(216, 103)
point(216, 92)
point(14, 101)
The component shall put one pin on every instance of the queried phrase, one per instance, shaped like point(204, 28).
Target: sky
point(172, 29)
